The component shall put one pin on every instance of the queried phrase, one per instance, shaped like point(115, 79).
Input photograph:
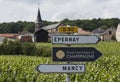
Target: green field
point(23, 68)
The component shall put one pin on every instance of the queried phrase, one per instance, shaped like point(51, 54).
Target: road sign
point(75, 39)
point(65, 29)
point(61, 68)
point(75, 54)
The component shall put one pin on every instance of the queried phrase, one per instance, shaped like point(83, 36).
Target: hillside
point(89, 25)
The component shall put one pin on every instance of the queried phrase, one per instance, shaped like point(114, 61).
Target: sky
point(57, 10)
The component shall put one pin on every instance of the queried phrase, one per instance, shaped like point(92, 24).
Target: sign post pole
point(68, 75)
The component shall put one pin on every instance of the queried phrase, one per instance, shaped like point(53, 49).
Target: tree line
point(87, 24)
point(15, 27)
point(9, 47)
point(92, 24)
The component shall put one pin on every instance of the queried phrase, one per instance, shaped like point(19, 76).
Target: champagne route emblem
point(75, 54)
point(60, 54)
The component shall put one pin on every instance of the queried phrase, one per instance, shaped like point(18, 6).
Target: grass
point(23, 68)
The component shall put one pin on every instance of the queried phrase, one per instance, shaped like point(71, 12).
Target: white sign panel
point(75, 39)
point(53, 68)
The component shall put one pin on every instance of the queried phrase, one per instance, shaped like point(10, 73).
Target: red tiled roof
point(25, 38)
point(83, 32)
point(9, 35)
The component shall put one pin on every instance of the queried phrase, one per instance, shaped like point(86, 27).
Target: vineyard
point(23, 68)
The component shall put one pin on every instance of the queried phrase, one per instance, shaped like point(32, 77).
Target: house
point(8, 35)
point(52, 28)
point(118, 33)
point(1, 39)
point(45, 33)
point(108, 35)
point(25, 36)
point(105, 35)
point(98, 31)
point(41, 36)
point(83, 32)
point(24, 32)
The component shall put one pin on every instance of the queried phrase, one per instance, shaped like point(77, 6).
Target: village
point(60, 41)
point(44, 33)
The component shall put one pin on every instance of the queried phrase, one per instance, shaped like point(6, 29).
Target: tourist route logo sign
point(75, 54)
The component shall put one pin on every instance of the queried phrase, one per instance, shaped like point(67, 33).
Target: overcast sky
point(56, 10)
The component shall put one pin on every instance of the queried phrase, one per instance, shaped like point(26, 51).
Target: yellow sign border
point(64, 29)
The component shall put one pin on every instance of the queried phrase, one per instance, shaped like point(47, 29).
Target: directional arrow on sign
point(75, 39)
point(76, 54)
point(61, 68)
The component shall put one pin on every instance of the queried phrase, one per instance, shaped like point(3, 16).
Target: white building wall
point(1, 39)
point(118, 33)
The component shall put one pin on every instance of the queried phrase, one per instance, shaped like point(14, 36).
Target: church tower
point(40, 35)
point(38, 23)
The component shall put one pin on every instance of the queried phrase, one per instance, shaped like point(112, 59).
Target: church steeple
point(39, 22)
point(39, 16)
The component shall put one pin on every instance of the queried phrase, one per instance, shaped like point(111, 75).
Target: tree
point(103, 27)
point(28, 48)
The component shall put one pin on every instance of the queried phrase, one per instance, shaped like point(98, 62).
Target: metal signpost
point(71, 54)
